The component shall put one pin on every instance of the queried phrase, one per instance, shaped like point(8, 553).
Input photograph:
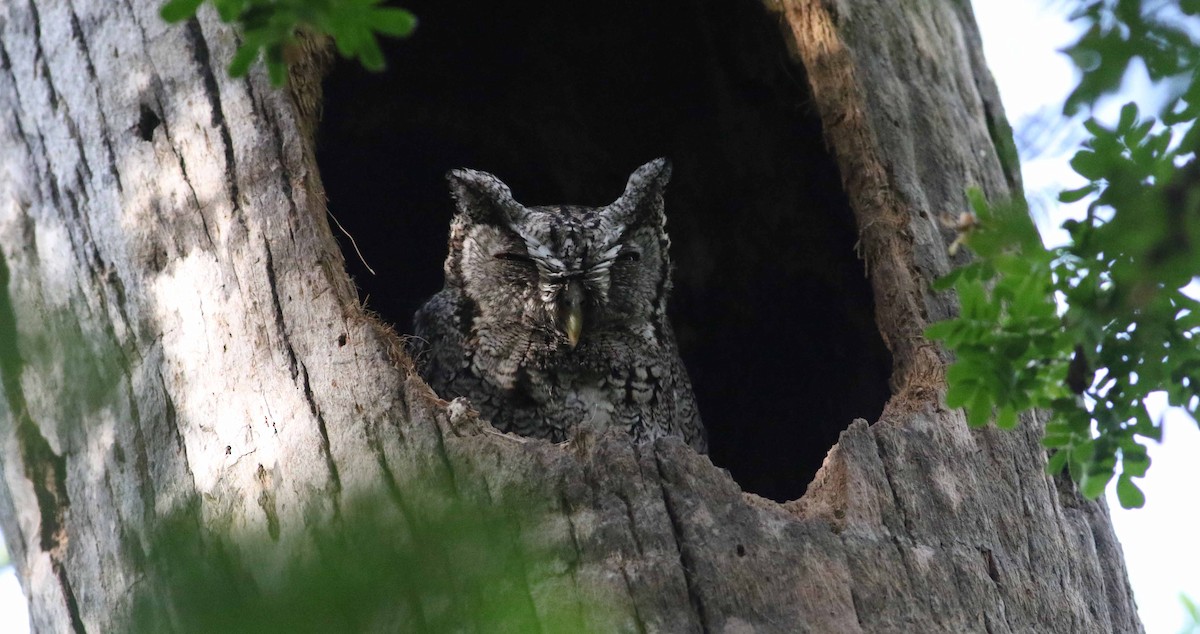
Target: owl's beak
point(572, 312)
point(574, 327)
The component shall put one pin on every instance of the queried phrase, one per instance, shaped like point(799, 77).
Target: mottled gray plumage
point(554, 318)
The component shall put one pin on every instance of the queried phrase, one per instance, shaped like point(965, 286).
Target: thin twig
point(352, 242)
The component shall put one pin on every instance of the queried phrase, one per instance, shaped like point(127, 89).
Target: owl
point(554, 319)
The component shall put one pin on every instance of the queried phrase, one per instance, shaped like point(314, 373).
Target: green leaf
point(1088, 164)
point(1057, 461)
point(941, 329)
point(1093, 484)
point(394, 22)
point(1084, 451)
point(1135, 466)
point(978, 202)
point(348, 40)
point(1103, 54)
point(242, 59)
point(1075, 466)
point(1135, 136)
point(960, 393)
point(179, 10)
point(1054, 441)
point(1086, 59)
point(1007, 418)
point(980, 409)
point(264, 16)
point(369, 53)
point(229, 10)
point(1128, 117)
point(1128, 493)
point(278, 72)
point(1074, 195)
point(947, 281)
point(1094, 127)
point(973, 298)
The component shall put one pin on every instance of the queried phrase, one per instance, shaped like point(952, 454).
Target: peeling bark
point(177, 332)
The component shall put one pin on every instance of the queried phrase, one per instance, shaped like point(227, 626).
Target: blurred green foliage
point(269, 28)
point(1090, 330)
point(432, 562)
point(1122, 31)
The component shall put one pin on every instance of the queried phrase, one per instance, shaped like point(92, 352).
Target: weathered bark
point(177, 332)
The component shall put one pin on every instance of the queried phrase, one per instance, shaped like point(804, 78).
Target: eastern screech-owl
point(554, 318)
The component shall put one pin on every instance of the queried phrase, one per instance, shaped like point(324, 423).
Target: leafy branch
point(269, 28)
point(1090, 330)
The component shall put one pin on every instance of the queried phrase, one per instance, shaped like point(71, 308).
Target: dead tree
point(179, 334)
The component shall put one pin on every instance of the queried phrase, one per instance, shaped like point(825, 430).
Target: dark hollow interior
point(562, 100)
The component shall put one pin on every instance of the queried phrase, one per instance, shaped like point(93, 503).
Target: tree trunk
point(179, 339)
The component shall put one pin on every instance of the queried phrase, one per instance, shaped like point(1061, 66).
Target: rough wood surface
point(185, 337)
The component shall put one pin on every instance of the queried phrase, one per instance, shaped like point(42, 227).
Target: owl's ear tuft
point(642, 199)
point(482, 196)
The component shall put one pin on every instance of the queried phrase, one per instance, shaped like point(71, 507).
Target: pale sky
point(1021, 39)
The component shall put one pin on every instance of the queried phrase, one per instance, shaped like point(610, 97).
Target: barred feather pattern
point(497, 334)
